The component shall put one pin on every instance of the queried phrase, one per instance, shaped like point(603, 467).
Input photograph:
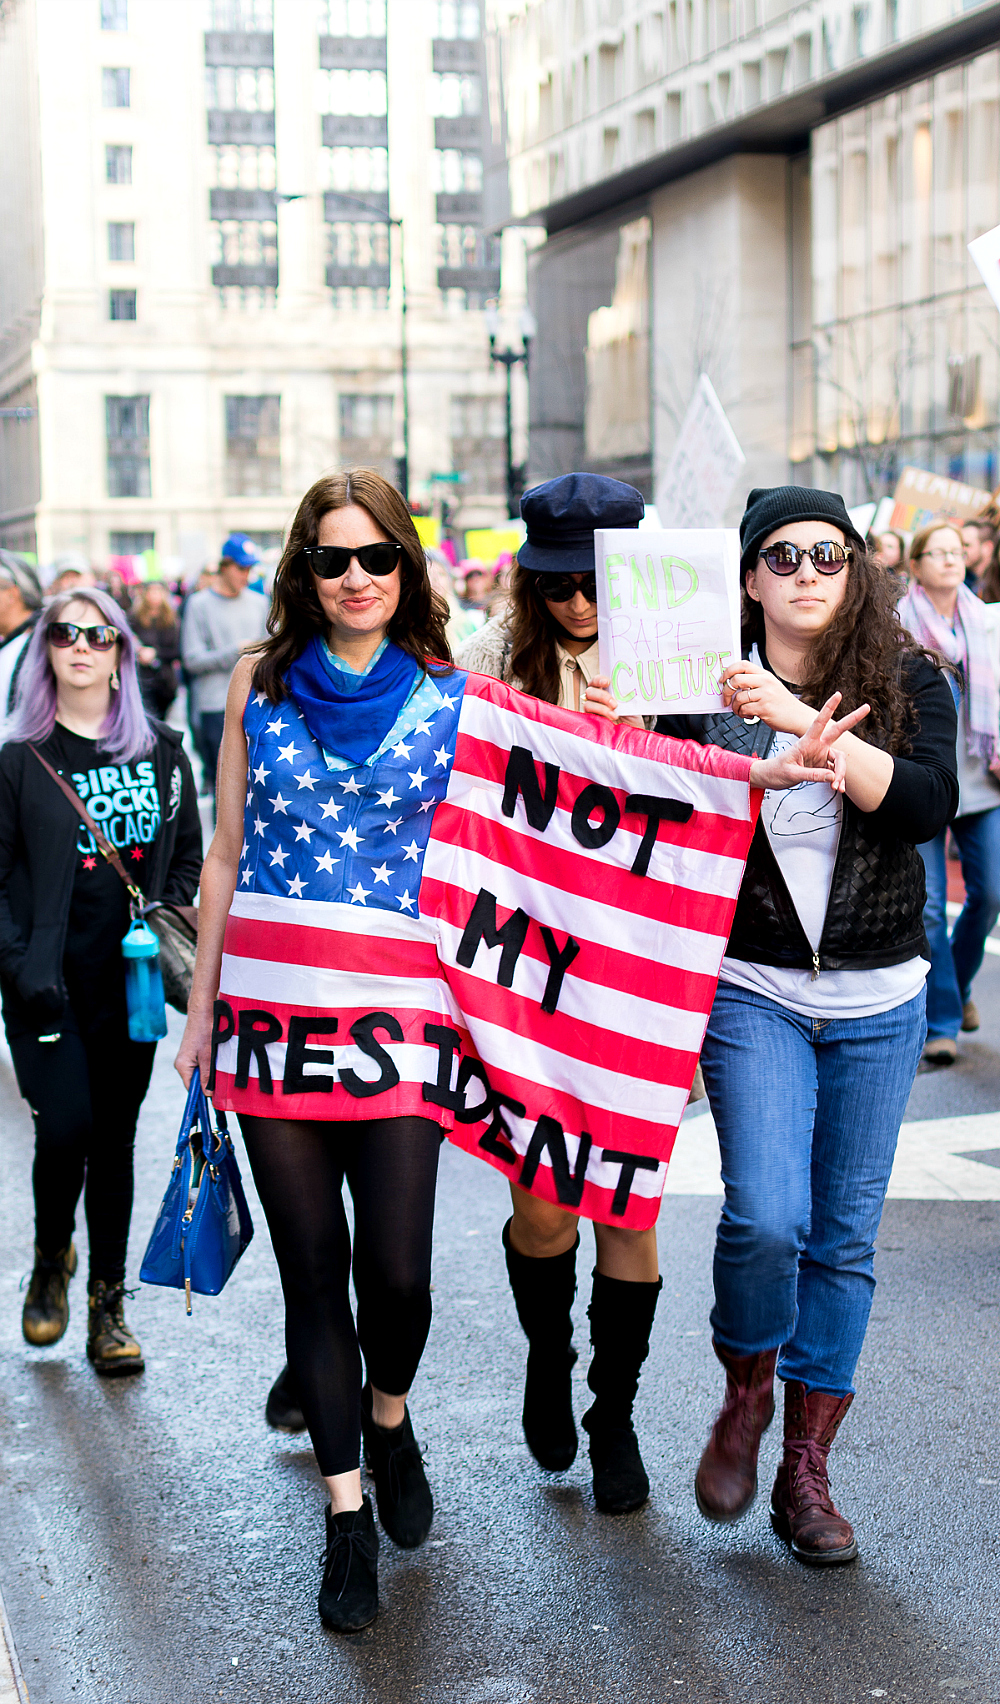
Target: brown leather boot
point(726, 1482)
point(802, 1510)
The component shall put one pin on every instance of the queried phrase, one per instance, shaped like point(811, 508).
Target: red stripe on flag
point(330, 949)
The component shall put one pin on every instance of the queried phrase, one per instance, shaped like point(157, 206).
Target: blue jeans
point(808, 1113)
point(954, 963)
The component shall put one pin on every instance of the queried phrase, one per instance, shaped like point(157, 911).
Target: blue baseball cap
point(240, 548)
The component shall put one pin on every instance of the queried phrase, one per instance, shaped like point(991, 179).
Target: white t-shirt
point(803, 827)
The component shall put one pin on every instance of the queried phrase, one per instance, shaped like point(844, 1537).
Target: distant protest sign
point(704, 466)
point(920, 496)
point(985, 251)
point(668, 617)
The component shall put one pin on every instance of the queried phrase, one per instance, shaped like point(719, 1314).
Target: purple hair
point(127, 732)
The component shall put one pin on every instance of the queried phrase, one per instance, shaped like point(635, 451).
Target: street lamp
point(404, 359)
point(509, 359)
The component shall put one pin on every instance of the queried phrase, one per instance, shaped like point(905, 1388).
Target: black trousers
point(85, 1091)
point(390, 1165)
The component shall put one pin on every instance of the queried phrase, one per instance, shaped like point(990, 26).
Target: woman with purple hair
point(63, 913)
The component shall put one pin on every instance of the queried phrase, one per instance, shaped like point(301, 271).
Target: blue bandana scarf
point(349, 719)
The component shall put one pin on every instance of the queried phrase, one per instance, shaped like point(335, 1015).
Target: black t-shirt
point(124, 801)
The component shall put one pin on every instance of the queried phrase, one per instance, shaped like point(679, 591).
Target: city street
point(159, 1544)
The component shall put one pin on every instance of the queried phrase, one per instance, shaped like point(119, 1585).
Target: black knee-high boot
point(543, 1295)
point(621, 1318)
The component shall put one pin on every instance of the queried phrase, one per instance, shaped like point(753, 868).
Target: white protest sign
point(668, 617)
point(704, 465)
point(985, 251)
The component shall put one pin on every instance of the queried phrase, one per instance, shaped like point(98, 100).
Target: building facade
point(777, 195)
point(211, 214)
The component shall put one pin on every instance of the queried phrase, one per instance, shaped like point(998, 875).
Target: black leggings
point(85, 1092)
point(390, 1165)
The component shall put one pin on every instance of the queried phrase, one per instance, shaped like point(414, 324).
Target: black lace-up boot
point(46, 1306)
point(111, 1347)
point(348, 1597)
point(392, 1457)
point(543, 1295)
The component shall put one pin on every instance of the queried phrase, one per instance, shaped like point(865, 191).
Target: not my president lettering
point(123, 800)
point(668, 664)
point(464, 1088)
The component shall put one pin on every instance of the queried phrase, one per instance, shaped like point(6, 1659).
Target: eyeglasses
point(66, 633)
point(562, 588)
point(939, 556)
point(331, 561)
point(826, 557)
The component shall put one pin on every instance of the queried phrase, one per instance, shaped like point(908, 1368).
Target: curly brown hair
point(296, 615)
point(533, 635)
point(862, 655)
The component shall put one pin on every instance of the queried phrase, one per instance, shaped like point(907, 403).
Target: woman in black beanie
point(818, 1022)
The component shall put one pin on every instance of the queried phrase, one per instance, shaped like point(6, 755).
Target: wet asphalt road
point(160, 1545)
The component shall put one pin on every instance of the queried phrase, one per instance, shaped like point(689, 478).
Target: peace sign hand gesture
point(812, 757)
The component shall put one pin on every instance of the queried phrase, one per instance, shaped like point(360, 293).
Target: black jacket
point(38, 840)
point(875, 912)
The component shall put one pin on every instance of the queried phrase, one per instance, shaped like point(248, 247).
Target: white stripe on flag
point(415, 1064)
point(338, 916)
point(603, 1174)
point(658, 1103)
point(304, 986)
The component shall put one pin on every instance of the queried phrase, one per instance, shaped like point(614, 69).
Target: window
point(355, 94)
point(122, 305)
point(253, 448)
point(114, 14)
point(354, 170)
point(361, 244)
point(128, 446)
point(242, 167)
point(453, 172)
point(478, 434)
point(246, 242)
point(245, 17)
point(239, 88)
point(352, 17)
point(456, 20)
point(117, 164)
point(453, 95)
point(131, 544)
point(115, 90)
point(366, 432)
point(121, 242)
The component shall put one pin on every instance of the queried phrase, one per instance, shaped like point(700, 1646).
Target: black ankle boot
point(543, 1295)
point(283, 1410)
point(392, 1457)
point(621, 1318)
point(348, 1597)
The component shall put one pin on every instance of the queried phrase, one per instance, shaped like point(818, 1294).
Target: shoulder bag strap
point(104, 845)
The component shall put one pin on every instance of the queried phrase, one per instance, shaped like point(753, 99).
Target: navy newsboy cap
point(561, 516)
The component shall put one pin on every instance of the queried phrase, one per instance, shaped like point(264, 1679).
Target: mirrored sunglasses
point(331, 561)
point(562, 588)
point(826, 557)
point(66, 633)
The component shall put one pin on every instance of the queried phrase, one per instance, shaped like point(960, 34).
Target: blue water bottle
point(147, 1010)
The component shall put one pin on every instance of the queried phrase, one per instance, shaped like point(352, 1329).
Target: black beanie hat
point(768, 509)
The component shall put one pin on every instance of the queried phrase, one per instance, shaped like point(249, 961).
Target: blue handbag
point(204, 1224)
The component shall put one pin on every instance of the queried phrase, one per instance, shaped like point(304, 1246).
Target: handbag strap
point(104, 845)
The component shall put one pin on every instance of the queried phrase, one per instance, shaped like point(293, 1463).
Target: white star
point(276, 727)
point(308, 781)
point(244, 849)
point(245, 877)
point(258, 826)
point(441, 758)
point(295, 886)
point(411, 852)
point(303, 832)
point(332, 809)
point(381, 874)
point(405, 902)
point(426, 804)
point(260, 774)
point(401, 750)
point(448, 703)
point(326, 862)
point(351, 785)
point(359, 895)
point(422, 728)
point(278, 857)
point(388, 798)
point(260, 698)
point(391, 826)
point(287, 753)
point(417, 779)
point(349, 838)
point(280, 805)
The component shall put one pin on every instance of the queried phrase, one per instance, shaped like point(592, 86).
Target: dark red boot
point(726, 1482)
point(802, 1510)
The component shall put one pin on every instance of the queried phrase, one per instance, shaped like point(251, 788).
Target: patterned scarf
point(967, 645)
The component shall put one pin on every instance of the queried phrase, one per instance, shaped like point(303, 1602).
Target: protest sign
point(487, 543)
point(920, 496)
point(703, 466)
point(668, 616)
point(985, 251)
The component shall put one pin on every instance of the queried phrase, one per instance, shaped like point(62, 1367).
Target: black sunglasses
point(562, 588)
point(331, 561)
point(826, 557)
point(66, 633)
